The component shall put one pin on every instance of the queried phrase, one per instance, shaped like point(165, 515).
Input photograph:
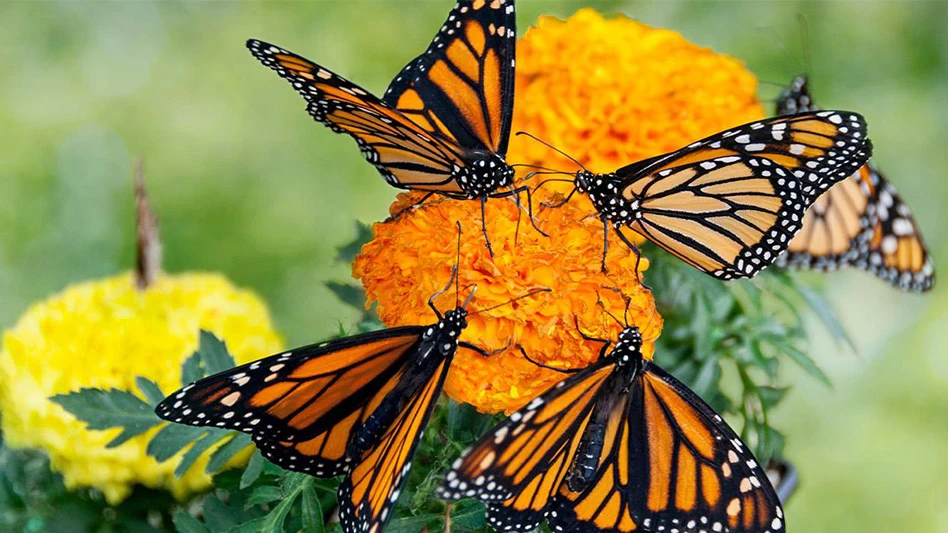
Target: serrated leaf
point(185, 523)
point(171, 439)
point(273, 521)
point(257, 525)
point(214, 355)
point(191, 369)
point(264, 494)
point(149, 390)
point(223, 454)
point(348, 294)
point(414, 524)
point(106, 409)
point(348, 252)
point(253, 470)
point(312, 512)
point(200, 446)
point(805, 362)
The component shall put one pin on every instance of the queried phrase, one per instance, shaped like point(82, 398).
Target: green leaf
point(823, 310)
point(348, 294)
point(171, 439)
point(312, 512)
point(214, 355)
point(223, 454)
point(191, 369)
point(185, 523)
point(200, 446)
point(771, 396)
point(348, 253)
point(264, 494)
point(218, 515)
point(414, 524)
point(253, 470)
point(150, 390)
point(106, 409)
point(805, 362)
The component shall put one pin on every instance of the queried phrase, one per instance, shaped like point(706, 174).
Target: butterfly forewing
point(405, 153)
point(462, 87)
point(301, 394)
point(730, 204)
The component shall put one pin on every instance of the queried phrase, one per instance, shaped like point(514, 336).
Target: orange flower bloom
point(610, 92)
point(613, 92)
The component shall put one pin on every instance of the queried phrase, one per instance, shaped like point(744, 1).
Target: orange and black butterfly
point(443, 124)
point(619, 447)
point(860, 222)
point(355, 406)
point(729, 204)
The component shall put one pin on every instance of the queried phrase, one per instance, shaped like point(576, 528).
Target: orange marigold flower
point(609, 92)
point(612, 92)
point(410, 259)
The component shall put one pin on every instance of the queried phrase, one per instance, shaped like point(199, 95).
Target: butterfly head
point(447, 330)
point(484, 174)
point(603, 191)
point(628, 348)
point(795, 98)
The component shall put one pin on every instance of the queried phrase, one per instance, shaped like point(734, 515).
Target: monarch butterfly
point(619, 446)
point(861, 222)
point(443, 125)
point(355, 406)
point(729, 204)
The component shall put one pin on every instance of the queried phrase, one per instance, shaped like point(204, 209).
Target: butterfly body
point(620, 446)
point(861, 221)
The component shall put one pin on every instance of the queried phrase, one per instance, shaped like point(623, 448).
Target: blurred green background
point(245, 183)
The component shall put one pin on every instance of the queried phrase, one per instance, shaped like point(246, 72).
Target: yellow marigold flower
point(103, 334)
point(612, 92)
point(608, 92)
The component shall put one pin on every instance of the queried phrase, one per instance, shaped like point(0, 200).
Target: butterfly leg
point(484, 353)
point(490, 250)
point(410, 207)
point(561, 203)
point(638, 258)
point(605, 243)
point(548, 367)
point(524, 189)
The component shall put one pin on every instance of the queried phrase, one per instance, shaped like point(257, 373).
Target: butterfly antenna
point(555, 149)
point(512, 300)
point(805, 43)
point(457, 279)
point(454, 273)
point(538, 167)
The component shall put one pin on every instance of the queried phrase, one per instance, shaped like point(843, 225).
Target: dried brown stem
point(148, 257)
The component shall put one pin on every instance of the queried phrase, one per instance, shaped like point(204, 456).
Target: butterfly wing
point(730, 204)
point(462, 87)
point(407, 155)
point(312, 399)
point(895, 251)
point(671, 464)
point(518, 466)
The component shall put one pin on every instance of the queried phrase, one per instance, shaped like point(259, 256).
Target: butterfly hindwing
point(407, 155)
point(462, 86)
point(517, 467)
point(730, 204)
